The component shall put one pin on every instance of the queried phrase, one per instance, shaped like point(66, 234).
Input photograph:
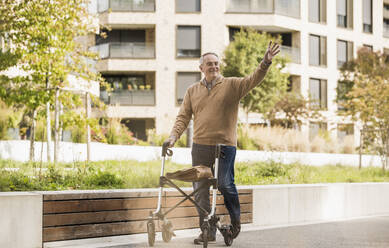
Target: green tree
point(363, 94)
point(292, 108)
point(42, 38)
point(242, 57)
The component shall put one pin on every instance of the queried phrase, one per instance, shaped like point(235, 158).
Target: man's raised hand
point(271, 52)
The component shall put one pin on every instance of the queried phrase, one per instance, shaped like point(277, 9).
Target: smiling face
point(210, 67)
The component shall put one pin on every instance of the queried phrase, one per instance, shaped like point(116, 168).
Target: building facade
point(151, 53)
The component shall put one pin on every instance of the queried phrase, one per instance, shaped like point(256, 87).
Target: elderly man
point(214, 103)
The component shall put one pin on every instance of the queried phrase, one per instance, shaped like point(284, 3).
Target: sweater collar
point(214, 82)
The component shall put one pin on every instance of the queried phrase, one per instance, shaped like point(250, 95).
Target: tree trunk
point(60, 122)
point(88, 138)
point(48, 129)
point(56, 126)
point(32, 136)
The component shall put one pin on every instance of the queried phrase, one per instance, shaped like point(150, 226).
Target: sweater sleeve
point(183, 117)
point(244, 85)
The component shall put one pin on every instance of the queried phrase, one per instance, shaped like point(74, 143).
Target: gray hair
point(205, 54)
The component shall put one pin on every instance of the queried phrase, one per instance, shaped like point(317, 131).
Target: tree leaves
point(242, 57)
point(44, 48)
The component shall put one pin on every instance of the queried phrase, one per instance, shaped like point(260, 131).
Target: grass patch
point(133, 174)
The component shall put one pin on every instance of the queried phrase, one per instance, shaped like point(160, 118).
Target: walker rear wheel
point(228, 238)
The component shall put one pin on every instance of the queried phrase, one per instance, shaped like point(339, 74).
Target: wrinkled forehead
point(210, 58)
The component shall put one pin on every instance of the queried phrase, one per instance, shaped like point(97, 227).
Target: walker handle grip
point(166, 150)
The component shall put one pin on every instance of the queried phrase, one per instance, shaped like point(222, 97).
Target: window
point(318, 11)
point(184, 80)
point(367, 16)
point(287, 7)
point(317, 50)
point(130, 90)
point(386, 26)
point(345, 51)
point(294, 83)
point(188, 6)
point(386, 19)
point(369, 47)
point(386, 54)
point(315, 128)
point(188, 42)
point(344, 130)
point(122, 35)
point(344, 10)
point(318, 93)
point(341, 91)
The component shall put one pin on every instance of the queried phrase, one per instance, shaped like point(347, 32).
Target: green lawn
point(133, 174)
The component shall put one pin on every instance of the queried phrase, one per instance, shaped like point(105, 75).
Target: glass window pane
point(188, 37)
point(288, 7)
point(323, 94)
point(341, 7)
point(345, 130)
point(314, 10)
point(188, 41)
point(367, 11)
point(314, 50)
point(342, 52)
point(184, 80)
point(188, 5)
point(264, 6)
point(314, 91)
point(313, 129)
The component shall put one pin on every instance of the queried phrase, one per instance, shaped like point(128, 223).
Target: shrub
point(155, 139)
point(244, 141)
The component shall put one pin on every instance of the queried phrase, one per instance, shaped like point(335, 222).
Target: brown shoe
point(235, 229)
point(199, 240)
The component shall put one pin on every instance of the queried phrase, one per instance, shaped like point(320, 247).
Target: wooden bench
point(91, 214)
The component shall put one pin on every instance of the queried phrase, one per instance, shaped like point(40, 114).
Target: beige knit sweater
point(215, 112)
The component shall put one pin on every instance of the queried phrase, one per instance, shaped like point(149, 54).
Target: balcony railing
point(125, 50)
point(129, 98)
point(281, 7)
point(126, 5)
point(292, 52)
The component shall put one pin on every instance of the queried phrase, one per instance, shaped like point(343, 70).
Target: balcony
point(125, 50)
point(126, 5)
point(292, 52)
point(282, 7)
point(129, 98)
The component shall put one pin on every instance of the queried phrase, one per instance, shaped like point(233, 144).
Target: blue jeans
point(205, 155)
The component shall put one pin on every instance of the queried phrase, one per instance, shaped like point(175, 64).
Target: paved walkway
point(371, 232)
point(363, 233)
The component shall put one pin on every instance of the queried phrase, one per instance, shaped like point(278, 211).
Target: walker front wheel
point(167, 232)
point(151, 232)
point(205, 230)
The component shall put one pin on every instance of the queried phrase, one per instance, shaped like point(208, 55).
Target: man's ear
point(201, 67)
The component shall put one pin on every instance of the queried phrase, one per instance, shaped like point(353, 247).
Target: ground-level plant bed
point(17, 176)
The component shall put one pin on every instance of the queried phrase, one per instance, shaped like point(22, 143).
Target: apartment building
point(151, 53)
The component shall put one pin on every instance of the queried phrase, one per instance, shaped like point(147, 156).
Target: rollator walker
point(211, 218)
